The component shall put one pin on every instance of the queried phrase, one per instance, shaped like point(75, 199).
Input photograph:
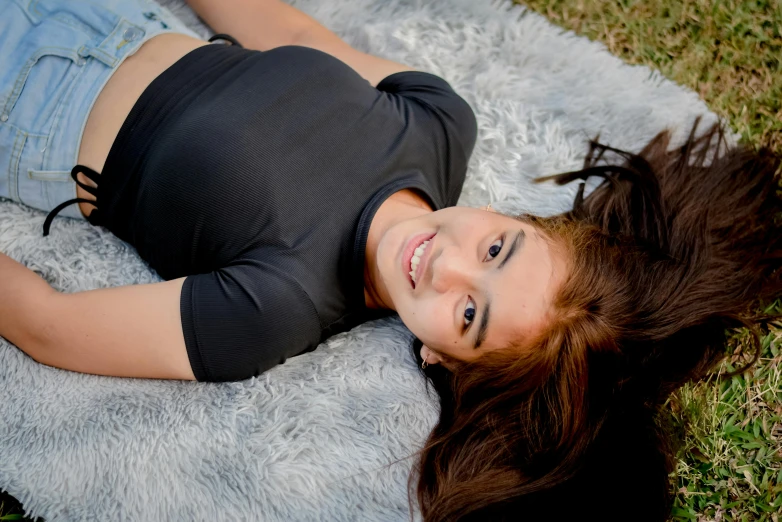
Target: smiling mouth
point(415, 261)
point(415, 256)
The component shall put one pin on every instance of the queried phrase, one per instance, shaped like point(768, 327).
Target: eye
point(494, 250)
point(469, 312)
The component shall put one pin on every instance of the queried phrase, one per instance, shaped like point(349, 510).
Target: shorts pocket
point(43, 80)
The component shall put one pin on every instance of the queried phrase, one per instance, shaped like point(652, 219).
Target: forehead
point(522, 293)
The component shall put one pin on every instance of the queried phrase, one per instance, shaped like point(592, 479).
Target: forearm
point(23, 295)
point(129, 331)
point(258, 24)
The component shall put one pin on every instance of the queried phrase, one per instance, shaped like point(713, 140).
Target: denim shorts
point(55, 57)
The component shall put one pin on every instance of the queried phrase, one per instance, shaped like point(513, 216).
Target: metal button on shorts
point(132, 33)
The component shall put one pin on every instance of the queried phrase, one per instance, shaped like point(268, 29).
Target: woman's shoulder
point(254, 311)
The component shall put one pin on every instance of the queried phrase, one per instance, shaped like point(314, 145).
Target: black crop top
point(257, 174)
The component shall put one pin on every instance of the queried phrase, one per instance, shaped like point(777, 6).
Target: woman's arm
point(265, 24)
point(131, 331)
point(257, 24)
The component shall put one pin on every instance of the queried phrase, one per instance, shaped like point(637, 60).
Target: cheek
point(385, 255)
point(428, 322)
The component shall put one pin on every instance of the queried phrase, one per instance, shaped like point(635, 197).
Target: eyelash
point(501, 242)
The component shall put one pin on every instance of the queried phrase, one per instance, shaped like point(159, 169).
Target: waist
point(151, 131)
point(123, 89)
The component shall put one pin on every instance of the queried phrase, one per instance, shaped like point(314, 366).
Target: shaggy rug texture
point(328, 435)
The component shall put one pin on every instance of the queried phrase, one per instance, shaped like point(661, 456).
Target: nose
point(452, 270)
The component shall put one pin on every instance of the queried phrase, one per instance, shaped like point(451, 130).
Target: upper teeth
point(417, 258)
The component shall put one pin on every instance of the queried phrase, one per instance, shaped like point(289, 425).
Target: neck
point(400, 206)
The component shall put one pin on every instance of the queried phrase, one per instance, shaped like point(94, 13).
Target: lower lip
point(407, 253)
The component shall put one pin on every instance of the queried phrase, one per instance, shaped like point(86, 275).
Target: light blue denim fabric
point(55, 57)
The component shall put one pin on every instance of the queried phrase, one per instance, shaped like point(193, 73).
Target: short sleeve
point(450, 112)
point(242, 320)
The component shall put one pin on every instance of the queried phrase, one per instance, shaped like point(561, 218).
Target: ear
point(430, 356)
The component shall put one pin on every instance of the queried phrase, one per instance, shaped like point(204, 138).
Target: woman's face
point(482, 281)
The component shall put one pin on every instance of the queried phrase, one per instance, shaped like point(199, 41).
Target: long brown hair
point(673, 249)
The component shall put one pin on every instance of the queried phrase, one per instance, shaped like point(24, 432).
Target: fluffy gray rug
point(325, 436)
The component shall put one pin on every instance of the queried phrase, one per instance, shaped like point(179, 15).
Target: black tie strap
point(227, 38)
point(94, 215)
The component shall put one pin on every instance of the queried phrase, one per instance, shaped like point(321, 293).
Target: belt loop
point(123, 40)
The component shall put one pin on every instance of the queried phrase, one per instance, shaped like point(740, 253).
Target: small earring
point(488, 207)
point(424, 365)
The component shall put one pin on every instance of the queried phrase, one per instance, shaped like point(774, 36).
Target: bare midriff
point(120, 94)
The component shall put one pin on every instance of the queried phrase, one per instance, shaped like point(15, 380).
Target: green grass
point(726, 50)
point(729, 52)
point(731, 464)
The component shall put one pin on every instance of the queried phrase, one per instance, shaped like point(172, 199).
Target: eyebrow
point(514, 247)
point(484, 326)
